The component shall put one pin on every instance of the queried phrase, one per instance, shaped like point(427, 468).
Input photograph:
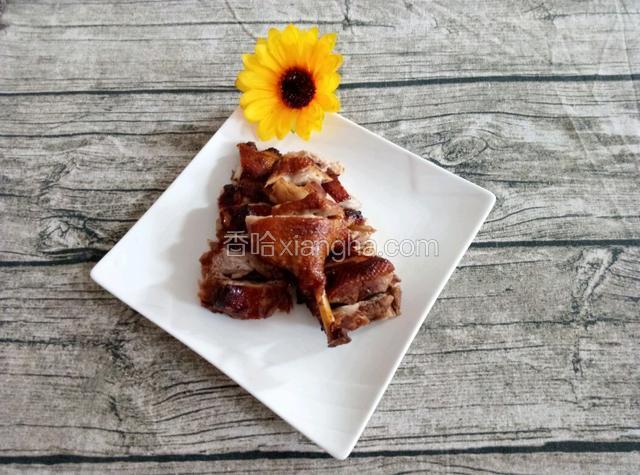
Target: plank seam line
point(568, 446)
point(556, 243)
point(94, 255)
point(513, 78)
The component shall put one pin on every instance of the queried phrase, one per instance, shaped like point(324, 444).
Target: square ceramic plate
point(328, 394)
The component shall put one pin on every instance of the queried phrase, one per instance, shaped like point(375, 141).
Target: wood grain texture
point(562, 160)
point(485, 369)
point(554, 463)
point(528, 362)
point(153, 44)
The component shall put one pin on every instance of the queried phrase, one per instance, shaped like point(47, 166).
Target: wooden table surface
point(528, 362)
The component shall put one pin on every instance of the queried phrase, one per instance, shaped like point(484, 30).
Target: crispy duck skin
point(225, 286)
point(254, 163)
point(295, 176)
point(357, 278)
point(336, 190)
point(283, 191)
point(246, 195)
point(232, 218)
point(311, 238)
point(245, 300)
point(312, 204)
point(298, 168)
point(243, 191)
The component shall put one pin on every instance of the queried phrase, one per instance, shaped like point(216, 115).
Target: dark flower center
point(297, 88)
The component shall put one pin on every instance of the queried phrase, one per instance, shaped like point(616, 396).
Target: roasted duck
point(287, 224)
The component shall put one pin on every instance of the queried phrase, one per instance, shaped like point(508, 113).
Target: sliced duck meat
point(312, 204)
point(237, 263)
point(218, 262)
point(336, 190)
point(232, 218)
point(244, 299)
point(357, 278)
point(241, 284)
point(283, 191)
point(377, 307)
point(354, 217)
point(241, 192)
point(256, 164)
point(298, 168)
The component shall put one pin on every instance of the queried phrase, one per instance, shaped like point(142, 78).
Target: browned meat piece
point(222, 291)
point(312, 204)
point(294, 177)
point(244, 299)
point(220, 260)
point(232, 217)
point(301, 245)
point(354, 217)
point(332, 169)
point(283, 191)
point(360, 234)
point(357, 278)
point(298, 168)
point(216, 261)
point(256, 164)
point(230, 196)
point(336, 190)
point(378, 307)
point(242, 192)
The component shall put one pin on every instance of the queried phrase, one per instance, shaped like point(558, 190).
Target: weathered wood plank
point(532, 342)
point(505, 358)
point(62, 46)
point(77, 171)
point(548, 463)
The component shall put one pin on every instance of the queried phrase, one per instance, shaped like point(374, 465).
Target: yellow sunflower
point(289, 82)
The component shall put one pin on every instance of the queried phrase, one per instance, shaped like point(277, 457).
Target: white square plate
point(328, 394)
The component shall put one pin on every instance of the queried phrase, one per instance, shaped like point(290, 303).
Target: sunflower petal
point(303, 129)
point(283, 120)
point(307, 120)
point(317, 115)
point(253, 80)
point(251, 63)
point(276, 47)
point(254, 95)
point(328, 101)
point(266, 59)
point(328, 82)
point(266, 129)
point(328, 65)
point(329, 39)
point(257, 110)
